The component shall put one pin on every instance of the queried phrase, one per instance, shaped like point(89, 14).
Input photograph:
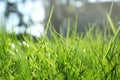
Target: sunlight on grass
point(75, 57)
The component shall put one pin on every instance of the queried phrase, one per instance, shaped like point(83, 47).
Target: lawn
point(94, 56)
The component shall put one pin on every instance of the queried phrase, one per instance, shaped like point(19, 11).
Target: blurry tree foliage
point(88, 13)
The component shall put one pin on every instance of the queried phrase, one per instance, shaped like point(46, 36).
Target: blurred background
point(30, 16)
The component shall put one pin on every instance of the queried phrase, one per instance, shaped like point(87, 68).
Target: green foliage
point(76, 57)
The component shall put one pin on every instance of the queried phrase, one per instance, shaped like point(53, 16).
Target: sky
point(31, 10)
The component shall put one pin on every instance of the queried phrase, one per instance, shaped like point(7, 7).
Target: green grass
point(95, 56)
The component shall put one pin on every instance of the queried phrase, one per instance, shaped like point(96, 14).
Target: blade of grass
point(74, 32)
point(111, 23)
point(68, 28)
point(49, 19)
point(110, 11)
point(112, 42)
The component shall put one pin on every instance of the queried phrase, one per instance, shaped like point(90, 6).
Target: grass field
point(95, 56)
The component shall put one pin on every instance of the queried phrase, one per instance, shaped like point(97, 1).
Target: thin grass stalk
point(111, 23)
point(68, 28)
point(49, 19)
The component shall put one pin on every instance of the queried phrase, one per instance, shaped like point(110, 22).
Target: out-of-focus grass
point(92, 57)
